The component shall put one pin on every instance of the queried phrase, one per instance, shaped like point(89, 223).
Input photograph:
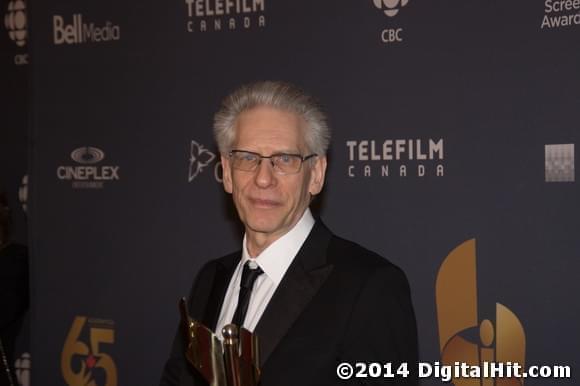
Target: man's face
point(270, 204)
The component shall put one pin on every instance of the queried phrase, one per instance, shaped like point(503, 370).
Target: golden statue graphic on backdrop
point(456, 296)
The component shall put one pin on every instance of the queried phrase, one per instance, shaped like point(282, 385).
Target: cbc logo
point(23, 193)
point(390, 7)
point(22, 369)
point(15, 22)
point(391, 35)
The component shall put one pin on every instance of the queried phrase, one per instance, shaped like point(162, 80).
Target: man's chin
point(264, 226)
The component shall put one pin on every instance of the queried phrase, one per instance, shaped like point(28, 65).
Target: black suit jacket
point(337, 302)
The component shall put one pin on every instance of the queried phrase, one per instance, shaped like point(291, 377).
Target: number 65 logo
point(83, 365)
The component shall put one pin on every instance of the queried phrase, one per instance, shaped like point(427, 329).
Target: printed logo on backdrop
point(16, 23)
point(560, 14)
point(200, 159)
point(23, 193)
point(22, 369)
point(466, 337)
point(391, 8)
point(418, 157)
point(225, 15)
point(559, 162)
point(77, 29)
point(85, 358)
point(87, 172)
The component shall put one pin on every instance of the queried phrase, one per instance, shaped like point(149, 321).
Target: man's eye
point(247, 157)
point(285, 158)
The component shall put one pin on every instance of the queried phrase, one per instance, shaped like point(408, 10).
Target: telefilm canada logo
point(200, 159)
point(395, 158)
point(225, 15)
point(465, 336)
point(77, 30)
point(391, 8)
point(85, 358)
point(560, 14)
point(16, 24)
point(86, 174)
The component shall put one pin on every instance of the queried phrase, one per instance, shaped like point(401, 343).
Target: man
point(320, 300)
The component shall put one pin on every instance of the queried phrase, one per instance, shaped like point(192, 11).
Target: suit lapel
point(304, 277)
point(224, 270)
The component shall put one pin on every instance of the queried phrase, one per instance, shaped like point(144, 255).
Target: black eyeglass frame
point(270, 157)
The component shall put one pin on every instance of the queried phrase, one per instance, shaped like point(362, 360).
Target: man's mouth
point(264, 203)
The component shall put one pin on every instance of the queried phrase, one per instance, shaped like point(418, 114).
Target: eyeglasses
point(282, 163)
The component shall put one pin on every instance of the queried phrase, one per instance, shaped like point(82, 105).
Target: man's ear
point(227, 173)
point(318, 172)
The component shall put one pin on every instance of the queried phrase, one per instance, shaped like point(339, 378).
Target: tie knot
point(249, 275)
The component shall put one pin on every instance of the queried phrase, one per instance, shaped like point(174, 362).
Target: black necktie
point(249, 276)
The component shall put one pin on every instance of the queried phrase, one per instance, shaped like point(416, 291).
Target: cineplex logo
point(86, 174)
point(395, 157)
point(79, 31)
point(225, 15)
point(560, 14)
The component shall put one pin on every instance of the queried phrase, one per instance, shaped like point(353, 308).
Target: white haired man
point(315, 300)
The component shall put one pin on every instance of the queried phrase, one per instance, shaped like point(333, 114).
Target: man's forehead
point(269, 124)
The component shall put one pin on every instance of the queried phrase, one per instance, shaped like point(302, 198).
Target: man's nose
point(265, 173)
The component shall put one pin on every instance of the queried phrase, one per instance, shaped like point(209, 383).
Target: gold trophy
point(235, 362)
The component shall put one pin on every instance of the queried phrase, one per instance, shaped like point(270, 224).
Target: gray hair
point(279, 95)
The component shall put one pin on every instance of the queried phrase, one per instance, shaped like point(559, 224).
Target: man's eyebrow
point(287, 152)
point(275, 152)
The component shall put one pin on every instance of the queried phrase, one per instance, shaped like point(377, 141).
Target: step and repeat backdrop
point(455, 132)
point(14, 318)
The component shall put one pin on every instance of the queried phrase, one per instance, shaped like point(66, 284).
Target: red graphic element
point(91, 361)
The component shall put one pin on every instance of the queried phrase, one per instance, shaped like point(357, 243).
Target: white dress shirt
point(274, 261)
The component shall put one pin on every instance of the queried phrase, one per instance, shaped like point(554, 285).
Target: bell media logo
point(201, 158)
point(559, 163)
point(86, 174)
point(85, 360)
point(463, 335)
point(419, 157)
point(225, 15)
point(78, 31)
point(391, 8)
point(16, 24)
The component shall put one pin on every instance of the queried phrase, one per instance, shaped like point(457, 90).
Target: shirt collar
point(277, 257)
